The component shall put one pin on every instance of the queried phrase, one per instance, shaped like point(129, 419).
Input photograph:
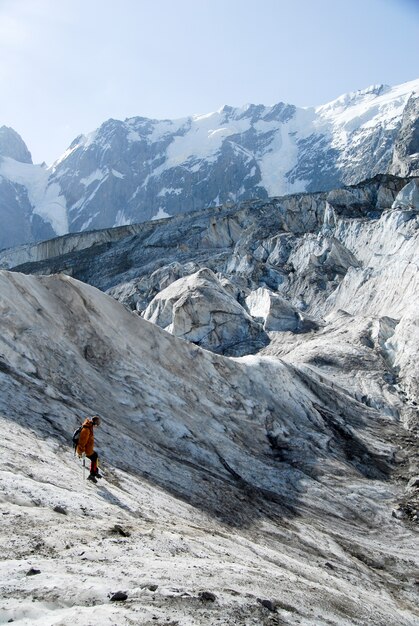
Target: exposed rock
point(207, 596)
point(406, 147)
point(118, 530)
point(60, 509)
point(119, 596)
point(33, 572)
point(15, 214)
point(268, 604)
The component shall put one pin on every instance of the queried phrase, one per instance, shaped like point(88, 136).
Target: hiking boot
point(92, 478)
point(97, 475)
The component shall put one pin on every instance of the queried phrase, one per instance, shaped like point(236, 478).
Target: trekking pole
point(84, 469)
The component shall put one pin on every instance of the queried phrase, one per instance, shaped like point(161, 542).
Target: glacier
point(277, 486)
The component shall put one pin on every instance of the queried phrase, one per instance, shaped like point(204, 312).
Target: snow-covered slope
point(251, 491)
point(45, 197)
point(31, 206)
point(130, 171)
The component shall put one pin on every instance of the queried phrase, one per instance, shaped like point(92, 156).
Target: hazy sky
point(68, 65)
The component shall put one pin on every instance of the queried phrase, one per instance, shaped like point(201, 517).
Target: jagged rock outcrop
point(15, 214)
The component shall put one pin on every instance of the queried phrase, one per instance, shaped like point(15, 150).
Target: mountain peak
point(13, 146)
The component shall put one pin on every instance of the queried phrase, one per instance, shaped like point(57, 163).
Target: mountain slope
point(32, 207)
point(135, 170)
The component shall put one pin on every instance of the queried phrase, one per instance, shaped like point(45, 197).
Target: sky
point(66, 66)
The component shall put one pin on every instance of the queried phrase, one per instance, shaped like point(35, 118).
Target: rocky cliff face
point(139, 169)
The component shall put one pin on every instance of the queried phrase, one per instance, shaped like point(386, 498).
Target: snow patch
point(96, 175)
point(281, 156)
point(204, 138)
point(121, 219)
point(161, 214)
point(167, 191)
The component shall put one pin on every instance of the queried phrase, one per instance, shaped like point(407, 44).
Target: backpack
point(76, 437)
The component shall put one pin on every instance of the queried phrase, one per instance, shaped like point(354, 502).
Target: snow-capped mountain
point(139, 169)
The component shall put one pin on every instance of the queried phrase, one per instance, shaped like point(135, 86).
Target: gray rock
point(207, 596)
point(33, 572)
point(268, 604)
point(405, 158)
point(413, 482)
point(60, 509)
point(119, 596)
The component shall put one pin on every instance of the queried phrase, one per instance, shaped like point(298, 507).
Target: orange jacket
point(87, 439)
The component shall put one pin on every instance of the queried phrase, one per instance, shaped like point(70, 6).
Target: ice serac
point(276, 313)
point(200, 309)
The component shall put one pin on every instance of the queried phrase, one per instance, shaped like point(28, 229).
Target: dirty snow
point(193, 498)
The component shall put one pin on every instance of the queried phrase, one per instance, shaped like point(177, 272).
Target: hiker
point(86, 444)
